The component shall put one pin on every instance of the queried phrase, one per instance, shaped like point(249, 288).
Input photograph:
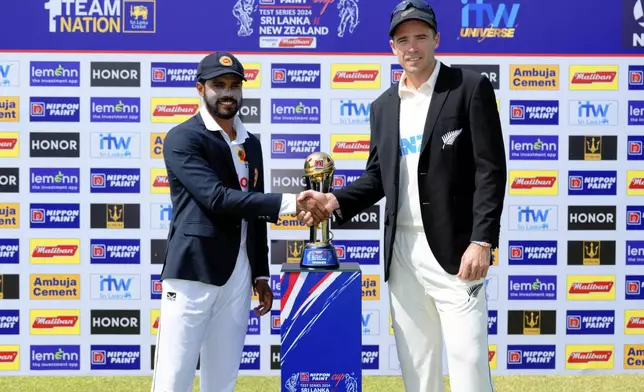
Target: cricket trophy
point(318, 176)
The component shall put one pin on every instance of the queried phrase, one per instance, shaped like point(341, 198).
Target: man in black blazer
point(217, 243)
point(437, 155)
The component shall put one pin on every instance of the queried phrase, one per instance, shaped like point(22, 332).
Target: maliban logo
point(115, 110)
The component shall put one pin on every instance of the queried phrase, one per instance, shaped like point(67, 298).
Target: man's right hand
point(314, 207)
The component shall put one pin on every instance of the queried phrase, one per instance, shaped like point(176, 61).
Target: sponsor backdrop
point(85, 210)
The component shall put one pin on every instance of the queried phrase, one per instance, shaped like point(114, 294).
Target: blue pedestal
point(321, 332)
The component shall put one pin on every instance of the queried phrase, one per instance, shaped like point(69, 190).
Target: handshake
point(314, 207)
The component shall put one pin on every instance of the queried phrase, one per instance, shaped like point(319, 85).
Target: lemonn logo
point(9, 109)
point(534, 77)
point(159, 181)
point(355, 76)
point(54, 251)
point(350, 146)
point(54, 286)
point(173, 110)
point(370, 287)
point(593, 77)
point(590, 288)
point(252, 73)
point(533, 182)
point(287, 222)
point(9, 215)
point(156, 145)
point(54, 322)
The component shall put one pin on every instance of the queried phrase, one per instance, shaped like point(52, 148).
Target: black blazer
point(462, 186)
point(208, 206)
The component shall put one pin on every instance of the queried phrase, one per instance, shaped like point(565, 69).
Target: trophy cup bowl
point(318, 176)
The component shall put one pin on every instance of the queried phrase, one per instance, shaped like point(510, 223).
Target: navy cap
point(219, 63)
point(412, 10)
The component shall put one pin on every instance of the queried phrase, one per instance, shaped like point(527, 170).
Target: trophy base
point(319, 255)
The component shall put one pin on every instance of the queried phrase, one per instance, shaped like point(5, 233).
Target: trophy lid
point(318, 163)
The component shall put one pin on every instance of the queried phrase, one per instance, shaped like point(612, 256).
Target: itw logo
point(587, 109)
point(529, 215)
point(110, 283)
point(111, 142)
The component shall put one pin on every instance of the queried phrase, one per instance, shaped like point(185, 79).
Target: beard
point(224, 107)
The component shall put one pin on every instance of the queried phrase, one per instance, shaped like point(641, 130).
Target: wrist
point(332, 202)
point(482, 244)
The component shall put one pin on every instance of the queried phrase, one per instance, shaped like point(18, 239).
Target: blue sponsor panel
point(523, 112)
point(344, 177)
point(634, 287)
point(54, 74)
point(115, 251)
point(396, 72)
point(115, 110)
point(9, 250)
point(54, 109)
point(275, 322)
point(275, 286)
point(54, 216)
point(250, 359)
point(635, 148)
point(534, 147)
point(364, 252)
point(492, 322)
point(115, 180)
point(254, 326)
point(370, 357)
point(294, 75)
point(590, 322)
point(532, 252)
point(53, 357)
point(532, 287)
point(333, 330)
point(156, 287)
point(9, 322)
point(294, 146)
point(173, 74)
point(54, 180)
point(636, 77)
point(592, 182)
point(295, 111)
point(634, 252)
point(270, 26)
point(115, 357)
point(634, 215)
point(531, 356)
point(635, 112)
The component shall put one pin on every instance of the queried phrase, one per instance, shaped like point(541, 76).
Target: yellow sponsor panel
point(533, 182)
point(534, 77)
point(156, 145)
point(583, 356)
point(370, 287)
point(54, 322)
point(173, 110)
point(492, 354)
point(635, 182)
point(355, 76)
point(159, 181)
point(590, 288)
point(9, 215)
point(287, 222)
point(634, 356)
point(253, 74)
point(10, 109)
point(593, 77)
point(10, 358)
point(54, 251)
point(634, 322)
point(350, 146)
point(54, 286)
point(495, 256)
point(9, 144)
point(391, 325)
point(155, 317)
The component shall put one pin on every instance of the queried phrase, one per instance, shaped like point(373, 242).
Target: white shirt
point(241, 167)
point(414, 105)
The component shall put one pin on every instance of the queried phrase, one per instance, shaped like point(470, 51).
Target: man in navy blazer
point(217, 243)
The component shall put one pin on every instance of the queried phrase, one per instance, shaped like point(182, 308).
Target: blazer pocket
point(200, 230)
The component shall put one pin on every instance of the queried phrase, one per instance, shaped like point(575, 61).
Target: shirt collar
point(425, 88)
point(212, 125)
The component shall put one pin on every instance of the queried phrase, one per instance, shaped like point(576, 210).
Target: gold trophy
point(318, 176)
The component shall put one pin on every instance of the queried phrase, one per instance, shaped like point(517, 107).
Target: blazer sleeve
point(260, 267)
point(489, 159)
point(365, 191)
point(184, 160)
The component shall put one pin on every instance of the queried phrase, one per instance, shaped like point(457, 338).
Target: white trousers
point(198, 318)
point(429, 305)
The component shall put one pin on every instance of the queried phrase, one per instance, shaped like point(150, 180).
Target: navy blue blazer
point(208, 206)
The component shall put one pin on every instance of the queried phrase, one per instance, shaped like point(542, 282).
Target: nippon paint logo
point(295, 75)
point(532, 112)
point(294, 146)
point(532, 252)
point(173, 74)
point(54, 109)
point(592, 182)
point(115, 180)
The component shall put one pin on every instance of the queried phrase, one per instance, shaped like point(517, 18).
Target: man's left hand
point(475, 262)
point(265, 295)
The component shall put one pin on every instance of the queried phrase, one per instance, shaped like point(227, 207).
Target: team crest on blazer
point(450, 137)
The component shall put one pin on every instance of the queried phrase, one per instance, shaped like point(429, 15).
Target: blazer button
point(238, 226)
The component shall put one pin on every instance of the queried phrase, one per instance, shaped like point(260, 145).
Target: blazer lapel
point(219, 141)
point(441, 91)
